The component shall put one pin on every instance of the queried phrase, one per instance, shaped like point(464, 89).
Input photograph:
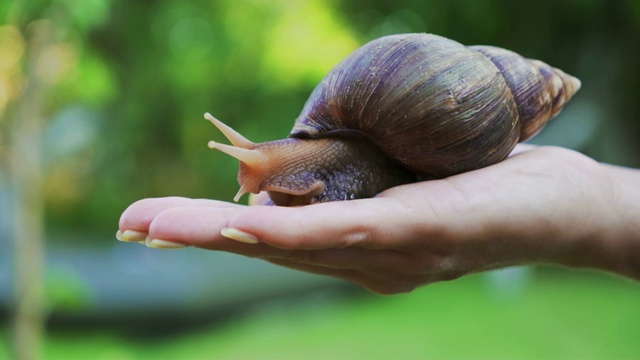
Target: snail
point(400, 109)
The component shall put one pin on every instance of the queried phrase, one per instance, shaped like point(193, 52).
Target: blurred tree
point(26, 169)
point(35, 59)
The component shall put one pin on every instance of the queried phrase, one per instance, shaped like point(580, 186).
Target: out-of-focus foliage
point(124, 84)
point(465, 319)
point(131, 80)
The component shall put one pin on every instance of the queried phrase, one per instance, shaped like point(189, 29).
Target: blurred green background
point(101, 104)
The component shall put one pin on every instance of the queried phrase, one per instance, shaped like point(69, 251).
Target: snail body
point(402, 108)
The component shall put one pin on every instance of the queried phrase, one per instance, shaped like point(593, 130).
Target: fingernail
point(163, 244)
point(130, 236)
point(239, 235)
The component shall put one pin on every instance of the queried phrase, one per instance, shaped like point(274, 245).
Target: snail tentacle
point(233, 136)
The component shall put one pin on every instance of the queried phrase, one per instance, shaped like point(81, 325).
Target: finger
point(201, 227)
point(365, 223)
point(138, 215)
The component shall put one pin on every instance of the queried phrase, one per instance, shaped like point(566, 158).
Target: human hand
point(541, 205)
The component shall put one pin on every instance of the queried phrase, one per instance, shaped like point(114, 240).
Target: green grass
point(557, 315)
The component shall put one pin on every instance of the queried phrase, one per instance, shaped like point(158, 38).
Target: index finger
point(365, 223)
point(139, 215)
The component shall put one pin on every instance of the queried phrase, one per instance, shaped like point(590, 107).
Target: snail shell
point(436, 106)
point(430, 106)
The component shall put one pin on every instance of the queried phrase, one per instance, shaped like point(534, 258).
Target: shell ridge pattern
point(435, 105)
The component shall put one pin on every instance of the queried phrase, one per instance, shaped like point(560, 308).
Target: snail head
point(305, 171)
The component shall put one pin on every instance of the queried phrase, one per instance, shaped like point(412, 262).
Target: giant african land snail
point(400, 109)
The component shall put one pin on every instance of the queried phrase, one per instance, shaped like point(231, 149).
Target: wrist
point(627, 230)
point(614, 246)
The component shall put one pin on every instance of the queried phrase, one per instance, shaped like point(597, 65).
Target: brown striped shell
point(438, 107)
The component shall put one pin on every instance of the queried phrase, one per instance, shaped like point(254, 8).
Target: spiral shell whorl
point(540, 91)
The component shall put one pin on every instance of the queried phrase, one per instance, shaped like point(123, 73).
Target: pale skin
point(542, 205)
